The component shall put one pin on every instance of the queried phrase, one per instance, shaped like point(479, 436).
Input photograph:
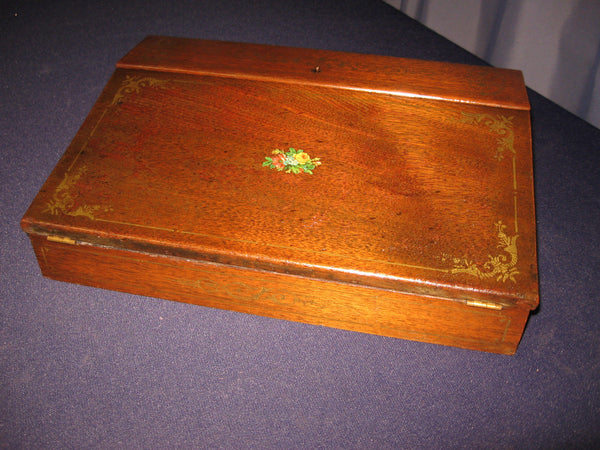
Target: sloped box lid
point(400, 174)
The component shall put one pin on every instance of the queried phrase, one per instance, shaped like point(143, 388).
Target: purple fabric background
point(87, 368)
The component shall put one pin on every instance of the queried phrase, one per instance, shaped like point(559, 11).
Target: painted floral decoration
point(292, 161)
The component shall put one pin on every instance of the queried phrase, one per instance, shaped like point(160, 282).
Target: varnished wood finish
point(420, 204)
point(301, 299)
point(297, 66)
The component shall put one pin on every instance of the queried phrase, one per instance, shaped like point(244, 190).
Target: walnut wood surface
point(299, 299)
point(423, 188)
point(372, 73)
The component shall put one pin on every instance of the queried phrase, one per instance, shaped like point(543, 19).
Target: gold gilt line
point(129, 85)
point(44, 250)
point(514, 167)
point(84, 146)
point(503, 266)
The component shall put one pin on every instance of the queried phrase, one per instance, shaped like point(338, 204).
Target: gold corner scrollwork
point(135, 84)
point(502, 267)
point(64, 200)
point(501, 125)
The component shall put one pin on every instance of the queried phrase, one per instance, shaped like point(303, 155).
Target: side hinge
point(61, 239)
point(480, 304)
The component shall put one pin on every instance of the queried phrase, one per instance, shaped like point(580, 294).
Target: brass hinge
point(61, 239)
point(480, 304)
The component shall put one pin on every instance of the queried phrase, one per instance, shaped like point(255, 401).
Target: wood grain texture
point(300, 299)
point(425, 190)
point(298, 66)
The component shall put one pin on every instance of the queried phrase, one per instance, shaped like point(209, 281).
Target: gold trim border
point(502, 267)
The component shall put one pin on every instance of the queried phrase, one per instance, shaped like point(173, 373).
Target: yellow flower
point(302, 157)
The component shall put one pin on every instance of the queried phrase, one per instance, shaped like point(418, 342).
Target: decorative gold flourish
point(65, 202)
point(502, 267)
point(501, 125)
point(135, 84)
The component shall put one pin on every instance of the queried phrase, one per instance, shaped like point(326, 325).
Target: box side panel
point(317, 302)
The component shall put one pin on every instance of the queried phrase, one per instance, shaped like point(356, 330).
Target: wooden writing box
point(366, 193)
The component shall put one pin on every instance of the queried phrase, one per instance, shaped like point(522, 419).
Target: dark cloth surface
point(88, 368)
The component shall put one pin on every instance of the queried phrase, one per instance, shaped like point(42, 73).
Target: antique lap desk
point(366, 193)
